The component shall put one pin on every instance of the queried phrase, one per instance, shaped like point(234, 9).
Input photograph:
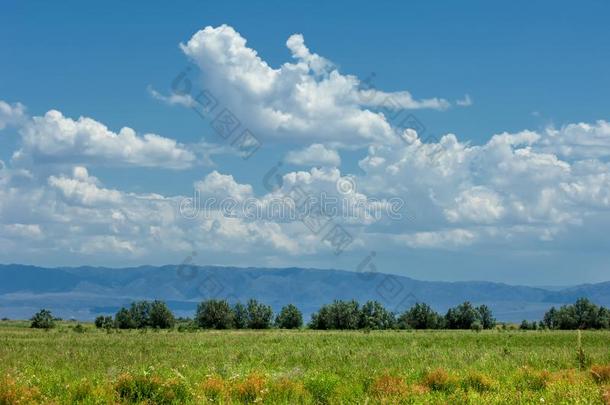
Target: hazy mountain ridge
point(84, 292)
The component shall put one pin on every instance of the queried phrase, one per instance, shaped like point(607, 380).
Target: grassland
point(64, 366)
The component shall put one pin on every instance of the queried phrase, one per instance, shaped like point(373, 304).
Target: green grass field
point(63, 366)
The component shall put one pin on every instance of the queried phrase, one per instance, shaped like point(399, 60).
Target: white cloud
point(308, 100)
point(58, 139)
point(465, 102)
point(578, 141)
point(315, 154)
point(11, 114)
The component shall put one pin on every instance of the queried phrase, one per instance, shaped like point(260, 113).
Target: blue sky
point(530, 207)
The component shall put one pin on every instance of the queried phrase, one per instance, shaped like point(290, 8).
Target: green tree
point(161, 316)
point(104, 322)
point(373, 315)
point(240, 316)
point(123, 319)
point(462, 316)
point(43, 319)
point(214, 314)
point(420, 316)
point(486, 317)
point(322, 319)
point(260, 315)
point(338, 315)
point(140, 313)
point(289, 318)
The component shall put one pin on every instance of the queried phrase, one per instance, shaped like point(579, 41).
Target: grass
point(166, 367)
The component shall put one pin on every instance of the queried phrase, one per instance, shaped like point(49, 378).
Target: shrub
point(78, 328)
point(321, 387)
point(478, 382)
point(601, 374)
point(289, 318)
point(214, 388)
point(387, 386)
point(104, 322)
point(286, 391)
point(440, 380)
point(533, 380)
point(251, 389)
point(11, 392)
point(151, 389)
point(476, 326)
point(43, 320)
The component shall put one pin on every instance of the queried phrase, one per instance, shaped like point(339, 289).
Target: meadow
point(70, 364)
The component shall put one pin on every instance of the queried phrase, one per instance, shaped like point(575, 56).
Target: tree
point(140, 313)
point(338, 315)
point(123, 319)
point(240, 316)
point(105, 322)
point(550, 318)
point(462, 316)
point(322, 319)
point(289, 318)
point(420, 316)
point(160, 316)
point(259, 315)
point(373, 315)
point(43, 319)
point(214, 314)
point(583, 314)
point(486, 317)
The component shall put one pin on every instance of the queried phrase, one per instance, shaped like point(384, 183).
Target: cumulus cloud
point(578, 141)
point(11, 114)
point(307, 100)
point(315, 154)
point(54, 138)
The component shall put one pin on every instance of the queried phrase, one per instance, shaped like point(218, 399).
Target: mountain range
point(85, 292)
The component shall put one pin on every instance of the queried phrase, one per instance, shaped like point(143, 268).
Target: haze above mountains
point(85, 292)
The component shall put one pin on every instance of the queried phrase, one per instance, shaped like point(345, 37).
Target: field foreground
point(65, 366)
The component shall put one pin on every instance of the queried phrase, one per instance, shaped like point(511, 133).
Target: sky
point(443, 141)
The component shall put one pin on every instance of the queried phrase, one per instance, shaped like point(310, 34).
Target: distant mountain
point(85, 292)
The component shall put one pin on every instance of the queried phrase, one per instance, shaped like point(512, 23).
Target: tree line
point(583, 314)
point(338, 315)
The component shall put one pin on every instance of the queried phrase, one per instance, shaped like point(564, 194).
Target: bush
point(251, 389)
point(78, 328)
point(289, 318)
point(151, 389)
point(478, 382)
point(440, 380)
point(601, 374)
point(387, 386)
point(214, 389)
point(322, 387)
point(104, 322)
point(43, 320)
